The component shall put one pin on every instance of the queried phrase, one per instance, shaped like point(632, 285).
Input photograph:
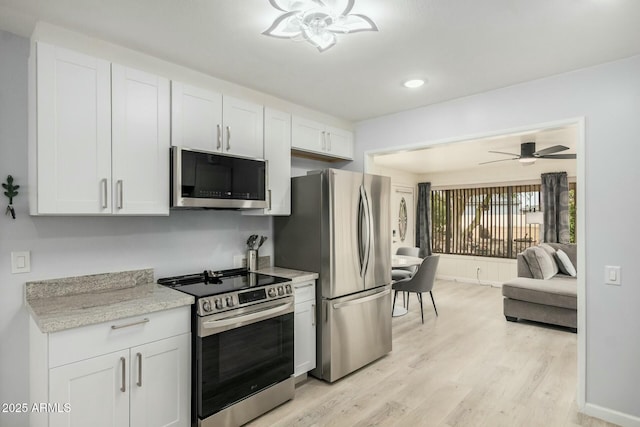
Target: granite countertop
point(72, 302)
point(294, 275)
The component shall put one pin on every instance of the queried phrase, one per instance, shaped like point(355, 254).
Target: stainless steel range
point(242, 353)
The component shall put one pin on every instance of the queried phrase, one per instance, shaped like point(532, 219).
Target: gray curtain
point(554, 203)
point(423, 219)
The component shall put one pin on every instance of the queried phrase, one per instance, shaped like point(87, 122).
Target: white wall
point(608, 97)
point(475, 269)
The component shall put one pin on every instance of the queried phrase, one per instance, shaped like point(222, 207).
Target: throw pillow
point(541, 264)
point(550, 249)
point(564, 263)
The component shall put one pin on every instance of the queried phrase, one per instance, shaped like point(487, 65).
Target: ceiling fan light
point(317, 21)
point(527, 160)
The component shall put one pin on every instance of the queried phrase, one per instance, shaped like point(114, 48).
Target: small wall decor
point(402, 219)
point(11, 192)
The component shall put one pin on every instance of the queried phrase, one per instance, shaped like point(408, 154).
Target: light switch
point(20, 262)
point(612, 275)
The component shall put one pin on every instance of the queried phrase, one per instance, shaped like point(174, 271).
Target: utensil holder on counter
point(252, 259)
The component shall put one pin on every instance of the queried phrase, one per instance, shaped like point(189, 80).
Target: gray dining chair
point(400, 273)
point(422, 281)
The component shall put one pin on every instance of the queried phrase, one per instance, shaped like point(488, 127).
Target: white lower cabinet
point(304, 354)
point(92, 389)
point(137, 374)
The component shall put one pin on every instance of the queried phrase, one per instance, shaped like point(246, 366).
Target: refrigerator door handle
point(371, 241)
point(364, 235)
point(362, 300)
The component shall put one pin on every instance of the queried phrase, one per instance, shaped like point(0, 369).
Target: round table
point(403, 261)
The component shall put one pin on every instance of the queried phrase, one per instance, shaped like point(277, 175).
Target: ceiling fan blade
point(501, 160)
point(550, 150)
point(502, 152)
point(559, 156)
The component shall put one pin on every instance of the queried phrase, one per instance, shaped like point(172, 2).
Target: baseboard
point(609, 415)
point(470, 280)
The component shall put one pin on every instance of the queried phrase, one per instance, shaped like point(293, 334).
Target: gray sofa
point(552, 301)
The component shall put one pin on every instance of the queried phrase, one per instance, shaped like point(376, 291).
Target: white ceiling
point(466, 156)
point(462, 47)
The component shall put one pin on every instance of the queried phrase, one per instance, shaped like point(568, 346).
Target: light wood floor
point(467, 367)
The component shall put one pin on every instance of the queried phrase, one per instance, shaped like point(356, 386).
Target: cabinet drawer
point(89, 341)
point(305, 291)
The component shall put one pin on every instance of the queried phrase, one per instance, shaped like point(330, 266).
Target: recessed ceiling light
point(412, 84)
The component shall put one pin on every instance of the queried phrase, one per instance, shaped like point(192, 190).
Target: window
point(488, 221)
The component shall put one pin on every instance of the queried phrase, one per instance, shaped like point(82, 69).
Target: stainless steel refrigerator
point(339, 227)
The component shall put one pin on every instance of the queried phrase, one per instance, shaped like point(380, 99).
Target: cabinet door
point(161, 383)
point(243, 128)
point(140, 142)
point(277, 153)
point(304, 353)
point(96, 389)
point(196, 117)
point(73, 132)
point(307, 135)
point(339, 143)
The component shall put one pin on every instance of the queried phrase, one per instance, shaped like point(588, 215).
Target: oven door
point(241, 353)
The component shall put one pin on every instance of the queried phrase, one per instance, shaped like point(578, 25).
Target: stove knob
point(280, 291)
point(219, 303)
point(206, 305)
point(229, 301)
point(288, 288)
point(272, 292)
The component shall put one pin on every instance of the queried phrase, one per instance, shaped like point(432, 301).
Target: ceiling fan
point(528, 154)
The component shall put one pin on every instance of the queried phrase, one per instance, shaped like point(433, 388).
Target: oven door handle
point(251, 317)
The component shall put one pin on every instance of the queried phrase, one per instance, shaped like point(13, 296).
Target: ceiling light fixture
point(527, 160)
point(317, 21)
point(412, 84)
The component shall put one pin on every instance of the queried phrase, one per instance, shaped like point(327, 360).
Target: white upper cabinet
point(99, 140)
point(141, 141)
point(277, 153)
point(243, 132)
point(320, 140)
point(196, 117)
point(205, 120)
point(73, 128)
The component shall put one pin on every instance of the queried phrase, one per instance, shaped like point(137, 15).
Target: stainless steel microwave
point(204, 179)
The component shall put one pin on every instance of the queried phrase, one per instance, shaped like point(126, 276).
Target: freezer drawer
point(356, 331)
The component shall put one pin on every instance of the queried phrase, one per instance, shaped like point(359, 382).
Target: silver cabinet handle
point(329, 141)
point(103, 183)
point(228, 138)
point(119, 188)
point(139, 356)
point(269, 192)
point(126, 325)
point(324, 140)
point(124, 374)
point(304, 286)
point(219, 141)
point(313, 314)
